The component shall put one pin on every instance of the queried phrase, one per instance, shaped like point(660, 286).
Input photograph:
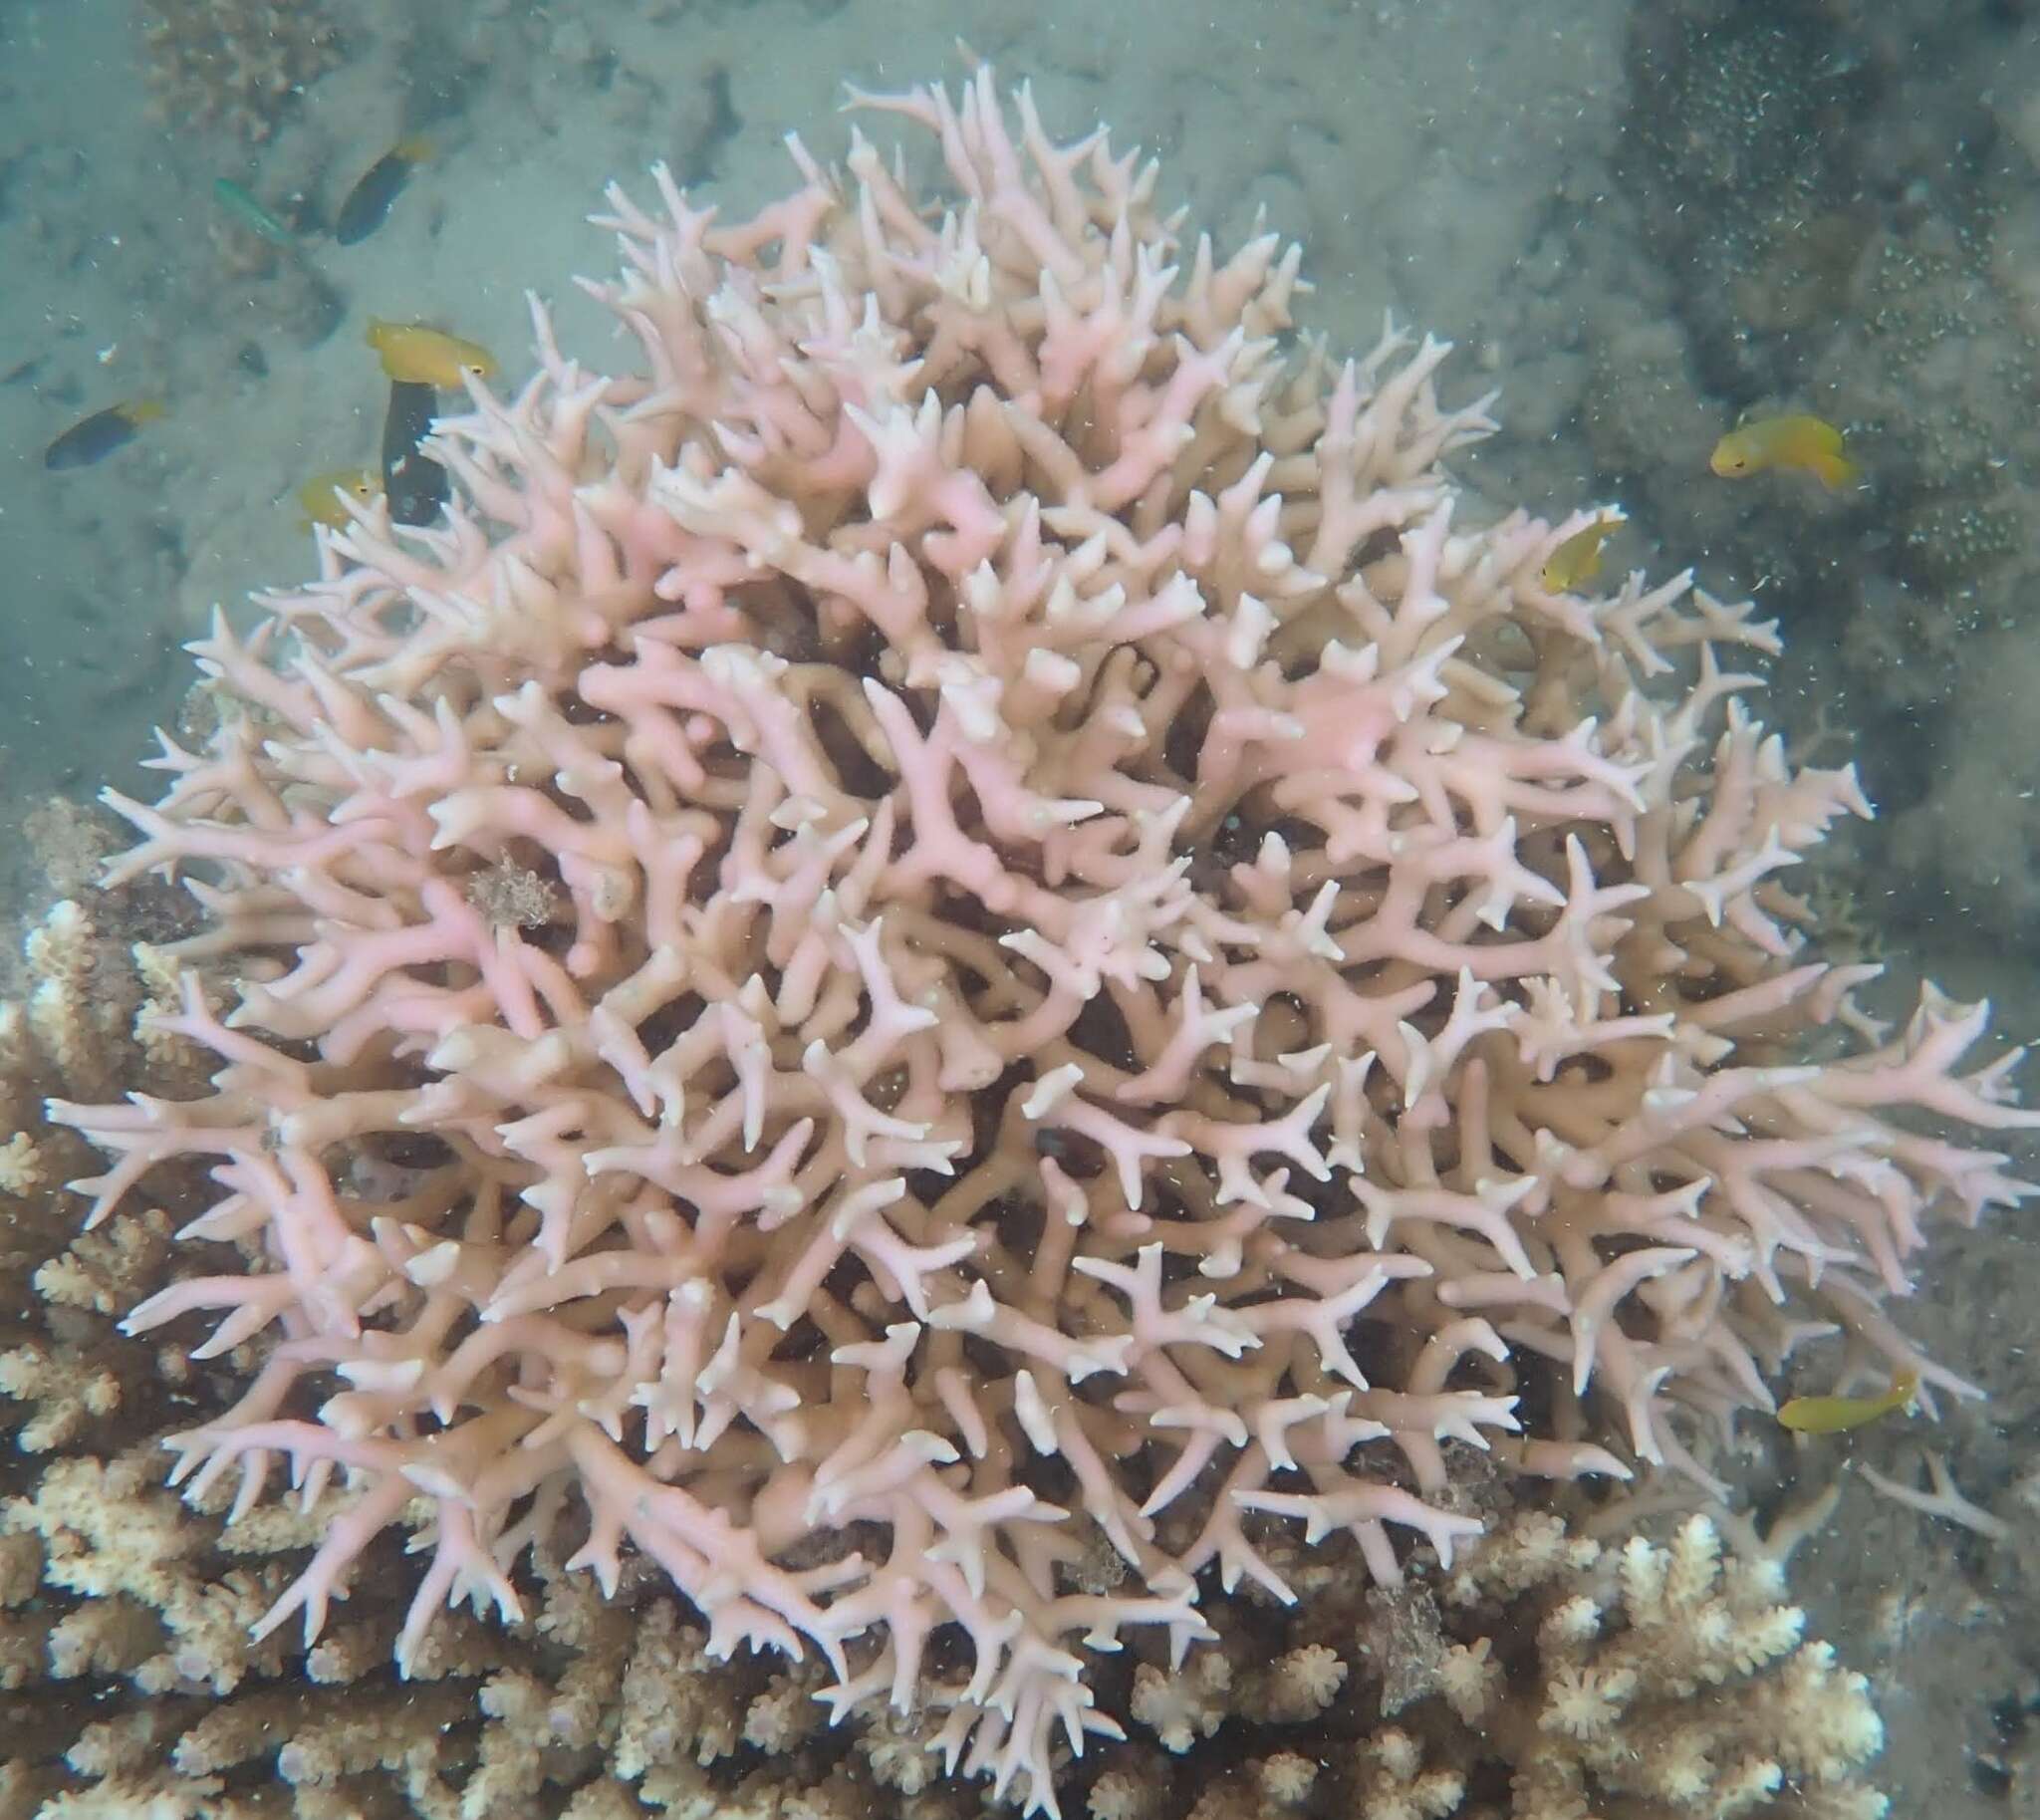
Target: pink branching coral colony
point(957, 957)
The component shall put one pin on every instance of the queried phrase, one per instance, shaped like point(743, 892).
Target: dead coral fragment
point(513, 897)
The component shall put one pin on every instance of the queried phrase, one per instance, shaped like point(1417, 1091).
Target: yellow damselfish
point(321, 496)
point(1578, 558)
point(418, 356)
point(1796, 442)
point(1832, 1414)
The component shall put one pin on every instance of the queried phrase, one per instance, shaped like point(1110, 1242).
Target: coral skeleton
point(957, 959)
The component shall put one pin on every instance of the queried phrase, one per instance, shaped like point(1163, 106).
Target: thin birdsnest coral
point(1090, 949)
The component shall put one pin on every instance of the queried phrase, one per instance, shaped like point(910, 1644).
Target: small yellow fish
point(420, 356)
point(1578, 558)
point(95, 438)
point(1832, 1414)
point(321, 496)
point(1796, 442)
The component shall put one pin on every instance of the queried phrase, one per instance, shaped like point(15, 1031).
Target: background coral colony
point(963, 1048)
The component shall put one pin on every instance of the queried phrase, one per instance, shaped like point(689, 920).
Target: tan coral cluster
point(75, 1026)
point(1564, 1678)
point(107, 1588)
point(1549, 1672)
point(1662, 1675)
point(236, 64)
point(84, 1021)
point(123, 1629)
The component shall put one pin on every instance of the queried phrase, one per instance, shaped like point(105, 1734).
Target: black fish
point(367, 203)
point(415, 486)
point(95, 438)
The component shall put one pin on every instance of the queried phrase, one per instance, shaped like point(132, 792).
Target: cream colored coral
point(1585, 1702)
point(21, 1569)
point(63, 1397)
point(1470, 1678)
point(22, 1637)
point(81, 1029)
point(1286, 1778)
point(17, 1041)
point(1184, 1707)
point(112, 1268)
point(21, 1166)
point(162, 986)
point(1394, 1784)
point(1692, 1688)
point(898, 1751)
point(603, 1801)
point(105, 1636)
point(128, 1597)
point(787, 1712)
point(675, 1700)
point(106, 1532)
point(1120, 1795)
point(1534, 1550)
point(368, 1734)
point(235, 1733)
point(1297, 1687)
point(150, 1795)
point(512, 1748)
point(347, 1652)
point(79, 1008)
point(128, 1743)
